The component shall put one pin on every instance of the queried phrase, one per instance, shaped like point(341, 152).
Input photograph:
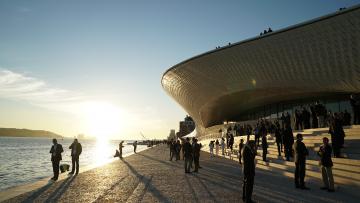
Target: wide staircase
point(346, 171)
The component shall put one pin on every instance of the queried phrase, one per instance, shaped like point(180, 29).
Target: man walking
point(196, 155)
point(249, 154)
point(76, 150)
point(55, 152)
point(188, 155)
point(300, 161)
point(326, 165)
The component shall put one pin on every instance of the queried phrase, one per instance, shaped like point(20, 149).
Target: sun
point(102, 119)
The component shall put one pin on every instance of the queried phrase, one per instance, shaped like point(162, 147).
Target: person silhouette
point(135, 146)
point(55, 152)
point(300, 153)
point(120, 149)
point(76, 150)
point(249, 154)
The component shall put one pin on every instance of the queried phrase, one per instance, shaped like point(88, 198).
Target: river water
point(26, 160)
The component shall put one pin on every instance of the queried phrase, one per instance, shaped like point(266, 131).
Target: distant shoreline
point(34, 136)
point(15, 132)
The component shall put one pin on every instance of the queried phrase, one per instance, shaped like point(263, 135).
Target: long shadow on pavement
point(193, 193)
point(38, 192)
point(147, 181)
point(55, 196)
point(158, 160)
point(111, 188)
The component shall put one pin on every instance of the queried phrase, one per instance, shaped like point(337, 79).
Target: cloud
point(21, 87)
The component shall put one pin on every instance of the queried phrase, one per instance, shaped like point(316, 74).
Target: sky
point(94, 67)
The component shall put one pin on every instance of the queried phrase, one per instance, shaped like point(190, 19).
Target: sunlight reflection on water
point(103, 152)
point(24, 160)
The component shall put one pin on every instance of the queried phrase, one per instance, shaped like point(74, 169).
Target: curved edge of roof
point(291, 27)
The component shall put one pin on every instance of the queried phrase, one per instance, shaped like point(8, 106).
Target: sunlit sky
point(94, 67)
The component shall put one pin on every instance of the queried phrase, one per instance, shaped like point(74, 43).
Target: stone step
point(351, 162)
point(272, 151)
point(341, 176)
point(345, 171)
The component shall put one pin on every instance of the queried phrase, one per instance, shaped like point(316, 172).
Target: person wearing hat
point(55, 152)
point(249, 154)
point(300, 153)
point(326, 165)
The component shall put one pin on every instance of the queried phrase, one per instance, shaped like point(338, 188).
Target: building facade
point(318, 60)
point(186, 126)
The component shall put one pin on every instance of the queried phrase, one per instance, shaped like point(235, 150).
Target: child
point(241, 146)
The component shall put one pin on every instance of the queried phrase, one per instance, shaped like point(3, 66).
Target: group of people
point(56, 157)
point(314, 116)
point(221, 145)
point(218, 47)
point(300, 154)
point(249, 151)
point(190, 151)
point(292, 148)
point(119, 153)
point(175, 149)
point(317, 117)
point(266, 31)
point(282, 129)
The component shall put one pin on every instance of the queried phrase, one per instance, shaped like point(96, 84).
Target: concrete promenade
point(150, 177)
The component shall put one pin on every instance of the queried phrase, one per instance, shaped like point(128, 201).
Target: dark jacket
point(172, 146)
point(278, 135)
point(249, 163)
point(57, 152)
point(187, 150)
point(325, 154)
point(196, 150)
point(300, 152)
point(288, 138)
point(264, 143)
point(78, 149)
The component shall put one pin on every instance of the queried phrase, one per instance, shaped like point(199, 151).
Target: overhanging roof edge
point(298, 25)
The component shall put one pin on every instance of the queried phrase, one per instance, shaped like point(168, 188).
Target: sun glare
point(102, 120)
